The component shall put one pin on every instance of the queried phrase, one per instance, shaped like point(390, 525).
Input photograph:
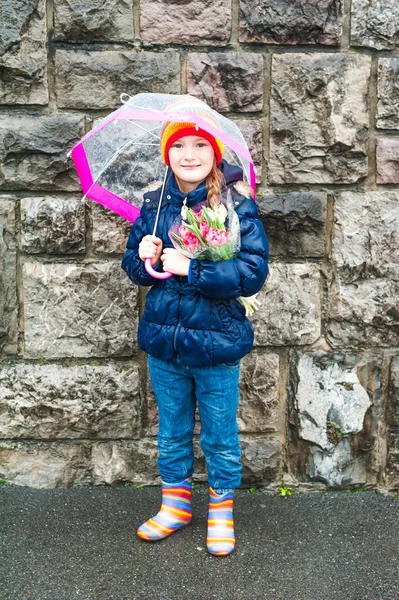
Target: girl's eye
point(177, 145)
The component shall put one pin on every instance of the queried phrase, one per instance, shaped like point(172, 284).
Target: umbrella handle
point(154, 273)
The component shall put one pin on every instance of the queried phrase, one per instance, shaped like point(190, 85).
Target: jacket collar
point(193, 198)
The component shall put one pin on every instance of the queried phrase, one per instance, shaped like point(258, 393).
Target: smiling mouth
point(190, 166)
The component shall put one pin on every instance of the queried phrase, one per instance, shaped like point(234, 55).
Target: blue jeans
point(177, 387)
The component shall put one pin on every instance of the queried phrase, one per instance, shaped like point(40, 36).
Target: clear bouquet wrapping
point(210, 231)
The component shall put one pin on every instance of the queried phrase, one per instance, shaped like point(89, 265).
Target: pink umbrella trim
point(97, 192)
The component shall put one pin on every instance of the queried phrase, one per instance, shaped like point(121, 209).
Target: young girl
point(195, 331)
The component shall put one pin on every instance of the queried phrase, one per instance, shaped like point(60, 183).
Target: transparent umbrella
point(121, 154)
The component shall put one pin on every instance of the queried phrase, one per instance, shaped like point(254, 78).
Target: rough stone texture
point(388, 93)
point(23, 52)
point(290, 310)
point(8, 278)
point(52, 226)
point(115, 462)
point(110, 231)
point(33, 151)
point(331, 396)
point(387, 158)
point(228, 82)
point(363, 294)
point(392, 467)
point(260, 460)
point(195, 22)
point(78, 401)
point(253, 135)
point(96, 79)
point(259, 407)
point(375, 23)
point(45, 464)
point(290, 22)
point(79, 310)
point(99, 21)
point(42, 464)
point(295, 223)
point(258, 410)
point(393, 395)
point(319, 118)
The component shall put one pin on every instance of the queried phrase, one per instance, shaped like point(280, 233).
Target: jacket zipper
point(177, 326)
point(183, 213)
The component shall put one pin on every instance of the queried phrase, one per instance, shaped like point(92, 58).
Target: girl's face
point(191, 159)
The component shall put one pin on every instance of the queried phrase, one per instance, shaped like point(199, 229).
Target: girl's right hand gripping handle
point(156, 274)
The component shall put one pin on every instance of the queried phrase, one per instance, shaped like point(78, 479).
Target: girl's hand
point(150, 247)
point(175, 262)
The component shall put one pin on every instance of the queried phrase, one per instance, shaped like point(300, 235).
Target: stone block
point(41, 465)
point(261, 460)
point(387, 159)
point(319, 118)
point(8, 278)
point(290, 22)
point(334, 408)
point(23, 52)
point(115, 462)
point(253, 135)
point(228, 82)
point(110, 231)
point(388, 93)
point(392, 468)
point(53, 401)
point(393, 393)
point(295, 223)
point(363, 293)
point(98, 21)
point(96, 79)
point(79, 310)
point(52, 225)
point(290, 306)
point(33, 152)
point(375, 24)
point(195, 22)
point(259, 403)
point(44, 465)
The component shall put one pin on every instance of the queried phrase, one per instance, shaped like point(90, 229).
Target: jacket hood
point(231, 173)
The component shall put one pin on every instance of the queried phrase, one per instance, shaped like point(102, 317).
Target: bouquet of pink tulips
point(210, 231)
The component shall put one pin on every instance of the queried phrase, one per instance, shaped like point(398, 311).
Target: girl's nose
point(189, 153)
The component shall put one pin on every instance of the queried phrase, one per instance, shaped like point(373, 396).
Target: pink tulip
point(190, 240)
point(204, 228)
point(216, 237)
point(198, 214)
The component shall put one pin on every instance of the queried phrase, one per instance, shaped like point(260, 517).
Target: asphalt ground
point(65, 544)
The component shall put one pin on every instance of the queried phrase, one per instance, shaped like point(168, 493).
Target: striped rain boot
point(175, 512)
point(220, 538)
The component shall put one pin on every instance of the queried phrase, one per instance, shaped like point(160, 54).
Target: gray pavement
point(65, 544)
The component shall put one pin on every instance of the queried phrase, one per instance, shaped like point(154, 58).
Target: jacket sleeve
point(132, 264)
point(240, 276)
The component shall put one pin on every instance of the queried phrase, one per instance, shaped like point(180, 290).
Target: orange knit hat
point(173, 131)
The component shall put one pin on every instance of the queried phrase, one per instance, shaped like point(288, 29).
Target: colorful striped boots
point(174, 514)
point(220, 540)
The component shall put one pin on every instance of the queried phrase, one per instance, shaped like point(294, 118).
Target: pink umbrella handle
point(154, 273)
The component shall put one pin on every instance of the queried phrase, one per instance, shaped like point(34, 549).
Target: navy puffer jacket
point(198, 317)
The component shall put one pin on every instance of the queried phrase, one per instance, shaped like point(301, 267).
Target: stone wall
point(315, 88)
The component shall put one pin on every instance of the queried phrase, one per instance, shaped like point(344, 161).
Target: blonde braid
point(215, 183)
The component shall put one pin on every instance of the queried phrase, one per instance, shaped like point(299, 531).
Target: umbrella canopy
point(121, 154)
